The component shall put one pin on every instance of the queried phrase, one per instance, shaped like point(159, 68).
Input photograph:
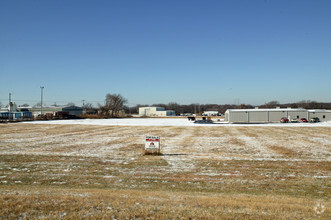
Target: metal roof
point(319, 110)
point(279, 110)
point(268, 110)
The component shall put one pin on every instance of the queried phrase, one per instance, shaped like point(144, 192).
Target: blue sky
point(185, 51)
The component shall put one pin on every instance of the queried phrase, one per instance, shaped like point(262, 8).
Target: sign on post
point(152, 145)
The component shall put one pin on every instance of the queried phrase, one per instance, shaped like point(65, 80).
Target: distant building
point(273, 115)
point(155, 112)
point(210, 113)
point(322, 114)
point(13, 113)
point(73, 110)
point(46, 110)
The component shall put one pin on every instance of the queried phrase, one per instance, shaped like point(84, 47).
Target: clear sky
point(161, 51)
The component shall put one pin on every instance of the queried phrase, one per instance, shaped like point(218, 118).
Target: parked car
point(294, 120)
point(303, 120)
point(315, 119)
point(191, 118)
point(284, 120)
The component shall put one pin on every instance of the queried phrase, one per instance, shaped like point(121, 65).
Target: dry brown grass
point(100, 172)
point(55, 203)
point(284, 151)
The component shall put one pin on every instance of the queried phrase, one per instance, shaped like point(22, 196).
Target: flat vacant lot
point(90, 171)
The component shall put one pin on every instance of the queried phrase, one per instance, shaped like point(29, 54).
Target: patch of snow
point(166, 122)
point(321, 177)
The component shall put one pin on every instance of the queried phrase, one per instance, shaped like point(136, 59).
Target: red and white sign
point(152, 143)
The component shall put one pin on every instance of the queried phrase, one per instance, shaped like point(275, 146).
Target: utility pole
point(9, 107)
point(83, 107)
point(41, 103)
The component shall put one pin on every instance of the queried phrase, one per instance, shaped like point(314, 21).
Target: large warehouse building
point(273, 115)
point(155, 112)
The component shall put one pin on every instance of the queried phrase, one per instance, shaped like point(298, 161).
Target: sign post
point(152, 145)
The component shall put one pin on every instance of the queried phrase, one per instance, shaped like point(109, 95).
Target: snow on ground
point(267, 159)
point(182, 140)
point(186, 147)
point(166, 122)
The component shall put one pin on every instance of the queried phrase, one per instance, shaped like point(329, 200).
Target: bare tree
point(70, 104)
point(87, 106)
point(176, 107)
point(271, 104)
point(244, 106)
point(1, 105)
point(38, 104)
point(308, 104)
point(88, 109)
point(114, 103)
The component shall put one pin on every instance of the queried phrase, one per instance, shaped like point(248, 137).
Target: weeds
point(101, 172)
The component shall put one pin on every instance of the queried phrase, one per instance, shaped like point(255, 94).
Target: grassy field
point(100, 172)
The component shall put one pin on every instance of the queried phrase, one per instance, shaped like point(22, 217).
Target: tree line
point(197, 108)
point(115, 106)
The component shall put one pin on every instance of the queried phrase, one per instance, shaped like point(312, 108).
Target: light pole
point(41, 103)
point(83, 107)
point(9, 107)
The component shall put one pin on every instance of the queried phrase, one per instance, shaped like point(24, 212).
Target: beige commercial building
point(155, 112)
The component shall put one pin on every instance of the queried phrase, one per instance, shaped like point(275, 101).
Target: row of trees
point(307, 104)
point(199, 108)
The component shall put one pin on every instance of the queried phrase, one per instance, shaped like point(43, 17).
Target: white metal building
point(155, 111)
point(210, 113)
point(273, 115)
point(322, 114)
